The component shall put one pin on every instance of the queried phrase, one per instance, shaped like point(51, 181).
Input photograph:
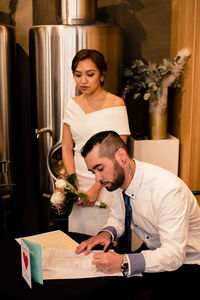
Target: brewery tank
point(52, 48)
point(7, 94)
point(7, 54)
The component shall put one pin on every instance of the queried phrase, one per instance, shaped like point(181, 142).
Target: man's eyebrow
point(94, 168)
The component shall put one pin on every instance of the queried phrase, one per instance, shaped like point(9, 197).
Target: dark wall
point(145, 25)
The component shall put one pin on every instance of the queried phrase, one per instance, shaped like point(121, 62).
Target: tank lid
point(75, 11)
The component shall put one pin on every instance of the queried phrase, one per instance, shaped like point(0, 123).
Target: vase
point(158, 115)
point(158, 125)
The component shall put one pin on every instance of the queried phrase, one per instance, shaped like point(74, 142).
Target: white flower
point(60, 183)
point(57, 197)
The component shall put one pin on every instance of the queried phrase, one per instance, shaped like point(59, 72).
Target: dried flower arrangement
point(150, 81)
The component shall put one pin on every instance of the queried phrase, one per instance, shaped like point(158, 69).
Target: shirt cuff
point(112, 231)
point(136, 263)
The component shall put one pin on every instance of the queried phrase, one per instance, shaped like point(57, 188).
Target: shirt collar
point(133, 187)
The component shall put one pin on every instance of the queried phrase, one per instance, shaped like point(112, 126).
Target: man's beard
point(119, 177)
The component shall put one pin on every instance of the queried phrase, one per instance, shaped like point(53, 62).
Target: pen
point(108, 247)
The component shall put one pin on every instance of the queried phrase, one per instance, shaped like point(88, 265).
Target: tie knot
point(124, 194)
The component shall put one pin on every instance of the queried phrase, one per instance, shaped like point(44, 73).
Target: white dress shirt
point(166, 216)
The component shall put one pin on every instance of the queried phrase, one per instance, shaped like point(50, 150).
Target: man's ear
point(121, 155)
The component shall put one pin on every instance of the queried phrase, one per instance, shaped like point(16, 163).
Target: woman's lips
point(84, 88)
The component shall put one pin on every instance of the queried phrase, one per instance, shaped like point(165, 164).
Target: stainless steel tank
point(7, 54)
point(7, 74)
point(52, 48)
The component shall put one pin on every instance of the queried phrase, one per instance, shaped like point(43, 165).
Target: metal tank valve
point(43, 130)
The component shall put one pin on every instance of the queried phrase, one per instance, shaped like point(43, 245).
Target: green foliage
point(145, 80)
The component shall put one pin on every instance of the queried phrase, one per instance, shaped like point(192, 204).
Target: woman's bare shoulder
point(116, 101)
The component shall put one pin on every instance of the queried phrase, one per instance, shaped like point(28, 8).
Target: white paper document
point(52, 239)
point(65, 263)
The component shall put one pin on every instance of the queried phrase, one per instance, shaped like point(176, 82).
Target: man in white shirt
point(165, 214)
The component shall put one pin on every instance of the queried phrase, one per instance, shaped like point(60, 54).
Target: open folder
point(59, 260)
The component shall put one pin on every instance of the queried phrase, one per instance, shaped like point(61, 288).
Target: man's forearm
point(136, 260)
point(112, 232)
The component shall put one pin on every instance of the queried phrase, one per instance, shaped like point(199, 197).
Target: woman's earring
point(101, 82)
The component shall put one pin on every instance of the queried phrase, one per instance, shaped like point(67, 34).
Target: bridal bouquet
point(66, 194)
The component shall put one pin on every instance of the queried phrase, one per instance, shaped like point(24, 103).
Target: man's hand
point(103, 238)
point(108, 262)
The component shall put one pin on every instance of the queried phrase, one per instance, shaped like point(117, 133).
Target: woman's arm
point(69, 165)
point(67, 150)
point(67, 153)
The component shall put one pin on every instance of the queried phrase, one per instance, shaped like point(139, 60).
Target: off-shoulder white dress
point(90, 220)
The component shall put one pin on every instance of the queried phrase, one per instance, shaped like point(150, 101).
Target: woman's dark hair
point(96, 57)
point(109, 142)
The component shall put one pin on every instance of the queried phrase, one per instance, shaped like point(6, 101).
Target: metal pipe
point(4, 166)
point(43, 130)
point(8, 184)
point(75, 11)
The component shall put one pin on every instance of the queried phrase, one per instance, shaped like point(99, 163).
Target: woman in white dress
point(93, 111)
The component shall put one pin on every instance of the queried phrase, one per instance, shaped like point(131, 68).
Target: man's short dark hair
point(109, 142)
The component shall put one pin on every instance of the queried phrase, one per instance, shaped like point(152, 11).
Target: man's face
point(108, 172)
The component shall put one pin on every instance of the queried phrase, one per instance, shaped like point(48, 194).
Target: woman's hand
point(92, 196)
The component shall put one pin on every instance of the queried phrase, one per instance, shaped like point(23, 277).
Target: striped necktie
point(128, 219)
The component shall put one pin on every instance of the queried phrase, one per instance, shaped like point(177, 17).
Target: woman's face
point(87, 76)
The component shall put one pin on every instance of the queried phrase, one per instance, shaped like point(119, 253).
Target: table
point(149, 287)
point(13, 286)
